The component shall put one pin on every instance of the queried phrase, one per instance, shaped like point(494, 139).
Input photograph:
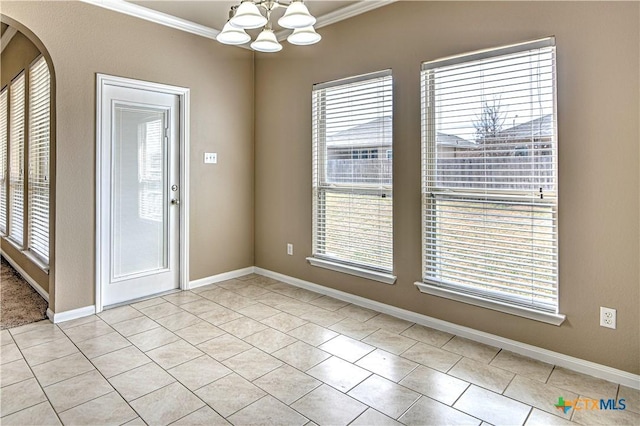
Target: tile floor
point(257, 351)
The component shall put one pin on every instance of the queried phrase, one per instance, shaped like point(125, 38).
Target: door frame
point(103, 175)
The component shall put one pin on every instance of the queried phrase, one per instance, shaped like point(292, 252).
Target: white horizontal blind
point(151, 170)
point(3, 160)
point(16, 160)
point(39, 147)
point(490, 175)
point(352, 171)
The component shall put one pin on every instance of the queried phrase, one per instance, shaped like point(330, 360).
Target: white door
point(140, 214)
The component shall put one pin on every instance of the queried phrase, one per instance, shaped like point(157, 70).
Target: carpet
point(19, 303)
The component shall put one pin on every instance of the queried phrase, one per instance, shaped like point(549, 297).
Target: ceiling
point(214, 14)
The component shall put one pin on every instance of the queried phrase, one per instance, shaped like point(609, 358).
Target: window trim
point(521, 311)
point(353, 79)
point(381, 275)
point(450, 292)
point(369, 274)
point(489, 53)
point(4, 178)
point(38, 258)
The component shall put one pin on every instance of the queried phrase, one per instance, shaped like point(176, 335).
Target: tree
point(490, 121)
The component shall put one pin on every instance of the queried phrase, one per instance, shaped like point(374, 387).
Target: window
point(25, 135)
point(352, 184)
point(490, 233)
point(354, 154)
point(39, 142)
point(3, 161)
point(16, 159)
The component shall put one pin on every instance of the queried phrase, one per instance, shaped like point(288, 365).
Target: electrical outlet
point(607, 317)
point(290, 249)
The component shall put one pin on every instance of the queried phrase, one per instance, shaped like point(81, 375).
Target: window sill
point(36, 261)
point(353, 270)
point(549, 318)
point(13, 243)
point(32, 257)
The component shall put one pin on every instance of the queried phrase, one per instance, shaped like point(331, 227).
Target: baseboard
point(90, 310)
point(70, 315)
point(541, 354)
point(221, 277)
point(41, 291)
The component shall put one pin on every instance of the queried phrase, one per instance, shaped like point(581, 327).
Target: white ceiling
point(207, 17)
point(214, 13)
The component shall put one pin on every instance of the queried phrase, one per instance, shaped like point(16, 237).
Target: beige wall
point(17, 56)
point(598, 110)
point(34, 271)
point(84, 40)
point(598, 82)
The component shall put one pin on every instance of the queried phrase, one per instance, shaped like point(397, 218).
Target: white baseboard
point(541, 354)
point(26, 276)
point(221, 277)
point(70, 315)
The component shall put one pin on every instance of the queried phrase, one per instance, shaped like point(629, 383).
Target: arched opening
point(27, 158)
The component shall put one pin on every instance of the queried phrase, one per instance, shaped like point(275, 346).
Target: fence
point(369, 171)
point(513, 173)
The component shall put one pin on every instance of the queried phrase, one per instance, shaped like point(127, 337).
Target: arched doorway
point(27, 157)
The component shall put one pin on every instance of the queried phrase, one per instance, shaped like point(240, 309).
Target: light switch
point(210, 157)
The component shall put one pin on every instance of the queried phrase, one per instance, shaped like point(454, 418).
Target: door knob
point(175, 201)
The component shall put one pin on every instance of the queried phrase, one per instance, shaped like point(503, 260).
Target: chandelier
point(247, 15)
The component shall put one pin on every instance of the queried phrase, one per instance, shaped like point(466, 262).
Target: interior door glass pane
point(139, 193)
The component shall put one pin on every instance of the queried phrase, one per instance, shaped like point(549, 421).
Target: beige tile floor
point(257, 351)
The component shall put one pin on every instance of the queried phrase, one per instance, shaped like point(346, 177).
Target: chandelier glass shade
point(304, 36)
point(248, 15)
point(296, 16)
point(266, 42)
point(233, 35)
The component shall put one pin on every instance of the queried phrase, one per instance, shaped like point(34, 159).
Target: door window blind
point(3, 160)
point(151, 170)
point(39, 146)
point(490, 175)
point(16, 160)
point(352, 171)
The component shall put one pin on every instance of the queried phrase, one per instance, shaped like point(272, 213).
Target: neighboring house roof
point(539, 128)
point(377, 133)
point(454, 141)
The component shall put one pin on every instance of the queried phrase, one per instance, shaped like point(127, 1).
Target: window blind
point(39, 146)
point(3, 160)
point(151, 170)
point(490, 175)
point(16, 159)
point(352, 171)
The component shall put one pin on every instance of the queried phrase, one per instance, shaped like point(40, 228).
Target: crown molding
point(346, 12)
point(171, 21)
point(350, 11)
point(151, 15)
